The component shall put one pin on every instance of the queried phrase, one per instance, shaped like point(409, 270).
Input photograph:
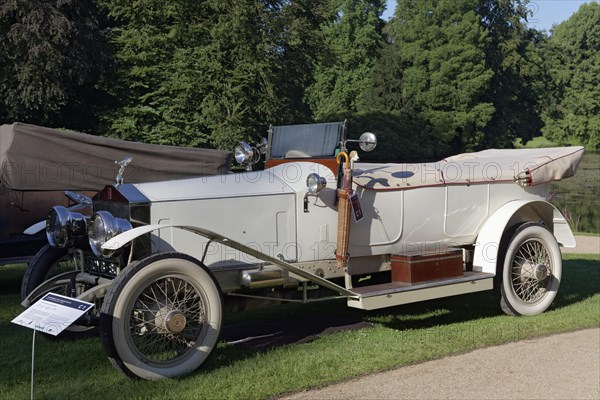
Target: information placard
point(53, 313)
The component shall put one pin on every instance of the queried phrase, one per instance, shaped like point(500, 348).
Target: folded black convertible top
point(38, 158)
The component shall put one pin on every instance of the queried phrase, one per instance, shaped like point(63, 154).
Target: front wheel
point(531, 271)
point(46, 264)
point(161, 317)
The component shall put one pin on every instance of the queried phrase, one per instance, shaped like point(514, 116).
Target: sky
point(545, 12)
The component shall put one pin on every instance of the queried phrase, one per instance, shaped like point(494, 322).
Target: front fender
point(515, 212)
point(35, 228)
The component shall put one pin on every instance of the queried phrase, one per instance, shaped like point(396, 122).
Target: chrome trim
point(113, 226)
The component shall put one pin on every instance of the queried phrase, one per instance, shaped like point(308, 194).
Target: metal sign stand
point(32, 362)
point(51, 314)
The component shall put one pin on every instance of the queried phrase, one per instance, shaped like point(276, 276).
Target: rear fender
point(509, 215)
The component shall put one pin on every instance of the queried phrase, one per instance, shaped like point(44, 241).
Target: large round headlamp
point(56, 226)
point(315, 183)
point(244, 153)
point(103, 227)
point(62, 225)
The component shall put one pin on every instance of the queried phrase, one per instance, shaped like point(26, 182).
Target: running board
point(394, 294)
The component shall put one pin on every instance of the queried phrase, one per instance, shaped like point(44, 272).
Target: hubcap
point(171, 321)
point(541, 272)
point(175, 321)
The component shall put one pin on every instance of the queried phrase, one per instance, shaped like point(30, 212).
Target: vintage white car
point(162, 260)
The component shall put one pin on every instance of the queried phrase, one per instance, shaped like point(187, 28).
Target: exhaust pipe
point(265, 278)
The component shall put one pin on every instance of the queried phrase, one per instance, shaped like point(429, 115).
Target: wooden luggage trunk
point(429, 266)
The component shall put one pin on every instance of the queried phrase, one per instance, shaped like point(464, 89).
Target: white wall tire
point(161, 317)
point(531, 271)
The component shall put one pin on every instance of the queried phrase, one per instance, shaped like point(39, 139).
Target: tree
point(155, 75)
point(573, 113)
point(385, 92)
point(264, 52)
point(511, 53)
point(400, 137)
point(436, 65)
point(353, 40)
point(53, 55)
point(471, 68)
point(209, 73)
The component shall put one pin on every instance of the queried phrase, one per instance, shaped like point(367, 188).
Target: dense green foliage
point(514, 89)
point(400, 136)
point(440, 48)
point(53, 55)
point(454, 75)
point(573, 115)
point(353, 40)
point(204, 73)
point(467, 67)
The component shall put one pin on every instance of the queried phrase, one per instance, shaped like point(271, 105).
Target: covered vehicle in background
point(38, 164)
point(162, 261)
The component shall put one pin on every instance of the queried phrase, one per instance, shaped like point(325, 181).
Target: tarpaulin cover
point(38, 158)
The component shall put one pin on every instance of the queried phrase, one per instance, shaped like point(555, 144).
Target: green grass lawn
point(398, 336)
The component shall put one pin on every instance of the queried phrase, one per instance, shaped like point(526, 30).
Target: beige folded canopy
point(535, 166)
point(38, 158)
point(528, 167)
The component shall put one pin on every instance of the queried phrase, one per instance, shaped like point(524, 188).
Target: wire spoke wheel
point(167, 319)
point(161, 317)
point(531, 272)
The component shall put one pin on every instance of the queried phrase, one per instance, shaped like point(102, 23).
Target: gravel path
point(585, 245)
point(564, 366)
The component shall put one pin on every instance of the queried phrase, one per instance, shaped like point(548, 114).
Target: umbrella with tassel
point(343, 231)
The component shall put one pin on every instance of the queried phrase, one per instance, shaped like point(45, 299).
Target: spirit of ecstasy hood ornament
point(122, 164)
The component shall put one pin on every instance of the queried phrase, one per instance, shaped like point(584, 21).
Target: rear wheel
point(531, 271)
point(161, 317)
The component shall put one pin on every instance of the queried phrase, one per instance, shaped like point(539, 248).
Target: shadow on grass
point(12, 275)
point(295, 323)
point(580, 280)
point(259, 331)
